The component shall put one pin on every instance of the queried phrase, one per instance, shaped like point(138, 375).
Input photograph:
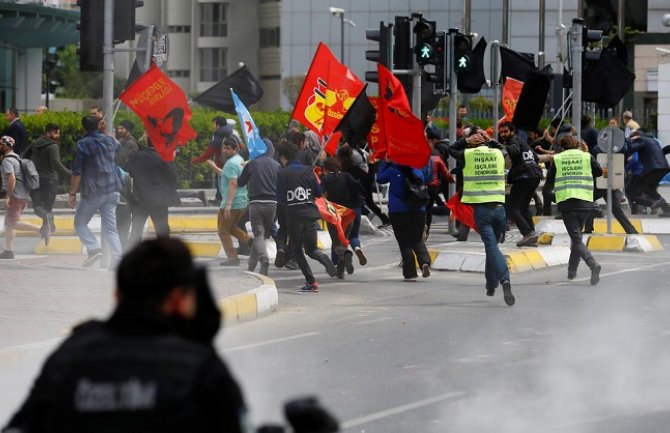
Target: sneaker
point(310, 288)
point(507, 293)
point(384, 225)
point(528, 240)
point(6, 255)
point(265, 267)
point(425, 270)
point(572, 274)
point(490, 292)
point(348, 262)
point(291, 265)
point(280, 259)
point(230, 262)
point(595, 274)
point(361, 257)
point(92, 258)
point(45, 232)
point(410, 280)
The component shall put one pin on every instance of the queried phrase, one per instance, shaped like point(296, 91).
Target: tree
point(291, 87)
point(78, 84)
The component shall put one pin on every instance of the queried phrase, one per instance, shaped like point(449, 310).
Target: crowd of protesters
point(279, 192)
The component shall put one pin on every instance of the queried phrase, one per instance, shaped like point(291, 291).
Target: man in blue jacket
point(655, 167)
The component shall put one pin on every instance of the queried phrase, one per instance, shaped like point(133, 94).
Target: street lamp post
point(339, 12)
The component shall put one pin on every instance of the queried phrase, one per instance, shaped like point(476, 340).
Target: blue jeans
point(88, 206)
point(491, 222)
point(355, 229)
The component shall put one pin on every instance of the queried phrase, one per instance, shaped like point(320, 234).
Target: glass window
point(602, 14)
point(213, 64)
point(269, 37)
point(214, 19)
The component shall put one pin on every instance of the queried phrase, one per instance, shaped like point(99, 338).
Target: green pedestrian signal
point(424, 49)
point(462, 53)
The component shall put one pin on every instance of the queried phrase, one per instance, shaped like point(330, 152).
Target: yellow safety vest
point(574, 178)
point(483, 176)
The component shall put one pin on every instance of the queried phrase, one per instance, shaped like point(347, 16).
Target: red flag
point(333, 141)
point(463, 212)
point(376, 139)
point(405, 139)
point(163, 108)
point(330, 88)
point(510, 96)
point(337, 215)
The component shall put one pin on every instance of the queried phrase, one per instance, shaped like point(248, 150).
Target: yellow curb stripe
point(239, 308)
point(433, 255)
point(545, 238)
point(656, 245)
point(600, 226)
point(190, 224)
point(203, 248)
point(606, 243)
point(60, 245)
point(517, 261)
point(535, 259)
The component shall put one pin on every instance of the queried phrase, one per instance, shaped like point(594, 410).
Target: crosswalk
point(442, 227)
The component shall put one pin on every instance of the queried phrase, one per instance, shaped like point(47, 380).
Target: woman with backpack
point(407, 213)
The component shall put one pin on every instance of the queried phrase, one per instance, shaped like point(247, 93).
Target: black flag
point(245, 85)
point(358, 120)
point(516, 65)
point(607, 81)
point(473, 81)
point(530, 106)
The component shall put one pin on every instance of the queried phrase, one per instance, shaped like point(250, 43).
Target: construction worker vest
point(483, 176)
point(574, 178)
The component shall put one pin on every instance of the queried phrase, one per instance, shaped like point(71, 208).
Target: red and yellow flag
point(330, 88)
point(510, 96)
point(406, 142)
point(164, 111)
point(376, 139)
point(337, 215)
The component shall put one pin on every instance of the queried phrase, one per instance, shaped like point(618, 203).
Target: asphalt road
point(439, 356)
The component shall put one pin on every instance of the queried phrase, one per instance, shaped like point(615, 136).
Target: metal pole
point(467, 10)
point(495, 47)
point(108, 66)
point(149, 48)
point(453, 113)
point(576, 32)
point(342, 37)
point(610, 158)
point(540, 55)
point(505, 35)
point(621, 22)
point(416, 84)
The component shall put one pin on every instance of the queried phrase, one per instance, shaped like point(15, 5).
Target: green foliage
point(78, 84)
point(481, 103)
point(272, 126)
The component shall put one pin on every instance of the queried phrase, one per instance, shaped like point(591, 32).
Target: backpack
point(30, 176)
point(416, 191)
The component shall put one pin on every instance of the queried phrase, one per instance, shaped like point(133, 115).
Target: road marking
point(371, 321)
point(269, 342)
point(609, 274)
point(398, 410)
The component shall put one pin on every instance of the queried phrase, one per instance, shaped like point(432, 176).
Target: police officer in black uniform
point(150, 367)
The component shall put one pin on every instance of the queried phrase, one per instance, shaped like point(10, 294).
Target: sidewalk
point(44, 296)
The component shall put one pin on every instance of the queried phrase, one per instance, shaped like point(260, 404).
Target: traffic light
point(439, 77)
point(462, 53)
point(424, 48)
point(591, 54)
point(384, 36)
point(91, 34)
point(124, 20)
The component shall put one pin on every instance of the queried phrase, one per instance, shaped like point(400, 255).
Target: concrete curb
point(605, 242)
point(522, 260)
point(256, 303)
point(253, 304)
point(653, 225)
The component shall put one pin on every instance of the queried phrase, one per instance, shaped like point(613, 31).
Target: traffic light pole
point(453, 113)
point(108, 68)
point(576, 32)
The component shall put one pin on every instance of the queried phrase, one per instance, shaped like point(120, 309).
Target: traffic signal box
point(462, 53)
point(382, 55)
point(91, 28)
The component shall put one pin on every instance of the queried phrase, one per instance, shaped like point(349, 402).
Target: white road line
point(609, 274)
point(269, 342)
point(399, 409)
point(371, 321)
